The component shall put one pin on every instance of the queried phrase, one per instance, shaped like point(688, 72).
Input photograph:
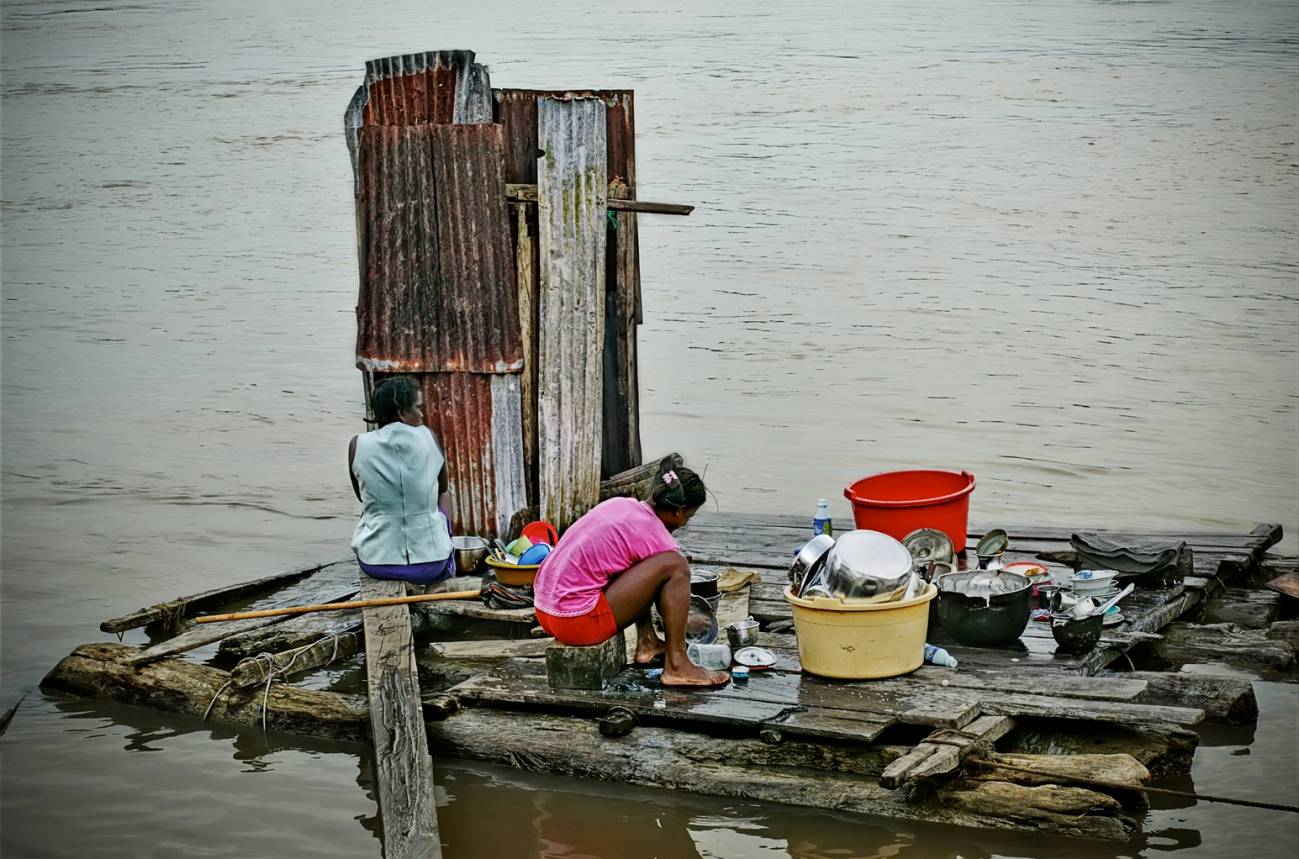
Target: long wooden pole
point(338, 606)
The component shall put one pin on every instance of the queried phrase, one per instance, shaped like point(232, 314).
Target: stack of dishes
point(1101, 584)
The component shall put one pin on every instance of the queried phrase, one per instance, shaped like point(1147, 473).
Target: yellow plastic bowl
point(861, 642)
point(514, 574)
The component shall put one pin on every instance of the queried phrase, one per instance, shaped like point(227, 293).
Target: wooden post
point(405, 769)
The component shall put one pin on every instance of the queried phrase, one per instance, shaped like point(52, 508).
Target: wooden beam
point(812, 775)
point(184, 606)
point(405, 769)
point(944, 751)
point(106, 672)
point(528, 194)
point(335, 576)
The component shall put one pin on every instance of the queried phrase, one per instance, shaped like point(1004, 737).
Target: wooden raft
point(998, 743)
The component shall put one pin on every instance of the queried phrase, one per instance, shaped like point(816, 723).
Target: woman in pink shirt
point(615, 561)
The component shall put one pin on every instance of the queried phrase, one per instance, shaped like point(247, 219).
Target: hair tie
point(669, 477)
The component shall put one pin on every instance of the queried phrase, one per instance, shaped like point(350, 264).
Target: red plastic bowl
point(899, 502)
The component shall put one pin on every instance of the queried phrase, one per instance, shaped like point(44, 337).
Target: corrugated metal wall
point(438, 288)
point(572, 198)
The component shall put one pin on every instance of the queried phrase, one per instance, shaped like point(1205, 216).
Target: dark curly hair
point(677, 488)
point(393, 397)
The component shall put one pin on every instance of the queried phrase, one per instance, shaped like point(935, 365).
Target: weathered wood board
point(212, 598)
point(405, 777)
point(333, 583)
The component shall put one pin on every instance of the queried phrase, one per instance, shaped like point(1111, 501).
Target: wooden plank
point(1225, 698)
point(528, 194)
point(572, 188)
point(768, 699)
point(478, 611)
point(293, 632)
point(1249, 649)
point(1287, 585)
point(508, 648)
point(1249, 608)
point(334, 582)
point(405, 768)
point(299, 631)
point(213, 598)
point(944, 751)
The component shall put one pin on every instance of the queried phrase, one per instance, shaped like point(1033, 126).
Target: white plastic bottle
point(821, 523)
point(938, 656)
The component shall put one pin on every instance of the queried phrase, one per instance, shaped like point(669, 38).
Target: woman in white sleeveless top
point(399, 475)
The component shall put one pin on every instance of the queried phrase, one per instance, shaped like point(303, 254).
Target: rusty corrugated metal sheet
point(438, 289)
point(476, 419)
point(434, 87)
point(572, 198)
point(516, 110)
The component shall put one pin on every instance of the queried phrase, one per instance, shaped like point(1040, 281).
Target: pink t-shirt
point(612, 536)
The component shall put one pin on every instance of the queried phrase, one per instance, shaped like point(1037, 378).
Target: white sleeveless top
point(397, 468)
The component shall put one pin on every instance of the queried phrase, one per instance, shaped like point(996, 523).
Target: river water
point(1050, 242)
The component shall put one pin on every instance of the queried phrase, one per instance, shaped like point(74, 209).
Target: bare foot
point(693, 675)
point(648, 652)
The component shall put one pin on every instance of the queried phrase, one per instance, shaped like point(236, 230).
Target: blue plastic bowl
point(535, 555)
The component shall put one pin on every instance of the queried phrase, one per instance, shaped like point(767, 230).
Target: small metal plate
point(755, 657)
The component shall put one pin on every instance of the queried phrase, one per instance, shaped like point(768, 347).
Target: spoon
point(1114, 601)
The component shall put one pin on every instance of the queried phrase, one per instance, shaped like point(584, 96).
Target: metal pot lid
point(992, 543)
point(929, 544)
point(755, 657)
point(983, 583)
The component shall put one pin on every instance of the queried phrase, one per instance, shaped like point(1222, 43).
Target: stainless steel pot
point(743, 633)
point(867, 566)
point(470, 553)
point(808, 560)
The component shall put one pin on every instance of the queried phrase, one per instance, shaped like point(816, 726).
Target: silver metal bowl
point(867, 566)
point(470, 553)
point(808, 561)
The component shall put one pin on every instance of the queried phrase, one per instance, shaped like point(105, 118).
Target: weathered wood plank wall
point(572, 189)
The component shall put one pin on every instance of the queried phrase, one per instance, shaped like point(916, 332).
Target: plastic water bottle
point(938, 656)
point(821, 523)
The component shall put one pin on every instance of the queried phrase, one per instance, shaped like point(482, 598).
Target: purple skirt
point(426, 573)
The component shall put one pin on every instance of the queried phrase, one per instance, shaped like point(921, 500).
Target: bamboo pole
point(338, 606)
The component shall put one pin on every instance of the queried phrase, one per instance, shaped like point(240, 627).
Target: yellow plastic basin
point(860, 642)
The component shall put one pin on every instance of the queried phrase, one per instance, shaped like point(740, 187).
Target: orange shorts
point(595, 627)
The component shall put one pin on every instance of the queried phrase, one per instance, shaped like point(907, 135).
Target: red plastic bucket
point(899, 502)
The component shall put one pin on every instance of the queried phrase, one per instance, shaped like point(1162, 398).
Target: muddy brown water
point(1053, 243)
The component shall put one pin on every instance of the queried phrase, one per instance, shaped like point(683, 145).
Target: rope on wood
point(275, 671)
point(212, 703)
point(1111, 785)
point(171, 615)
